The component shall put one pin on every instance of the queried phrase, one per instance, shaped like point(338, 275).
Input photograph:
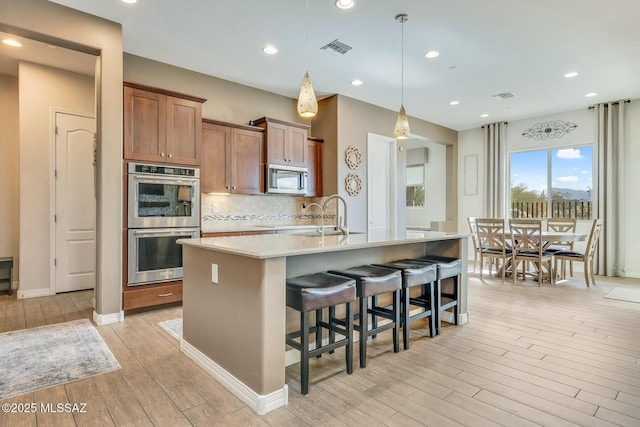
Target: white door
point(75, 203)
point(380, 186)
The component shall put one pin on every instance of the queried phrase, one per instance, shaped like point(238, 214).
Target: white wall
point(435, 208)
point(41, 89)
point(632, 187)
point(471, 142)
point(9, 179)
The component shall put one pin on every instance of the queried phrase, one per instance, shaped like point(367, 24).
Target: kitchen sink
point(326, 233)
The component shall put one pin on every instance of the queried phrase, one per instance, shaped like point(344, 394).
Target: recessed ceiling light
point(129, 1)
point(344, 4)
point(590, 94)
point(484, 115)
point(357, 82)
point(432, 54)
point(270, 49)
point(12, 42)
point(454, 103)
point(571, 74)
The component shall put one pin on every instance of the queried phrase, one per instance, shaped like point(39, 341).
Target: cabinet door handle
point(168, 294)
point(170, 155)
point(234, 187)
point(161, 154)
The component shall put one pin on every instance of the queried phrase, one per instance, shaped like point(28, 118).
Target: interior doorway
point(381, 186)
point(75, 202)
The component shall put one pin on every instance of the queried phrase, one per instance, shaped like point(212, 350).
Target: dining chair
point(492, 242)
point(476, 243)
point(527, 245)
point(563, 225)
point(588, 256)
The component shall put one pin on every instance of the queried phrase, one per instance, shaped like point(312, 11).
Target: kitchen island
point(234, 305)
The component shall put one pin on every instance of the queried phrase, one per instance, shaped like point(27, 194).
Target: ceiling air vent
point(504, 95)
point(336, 47)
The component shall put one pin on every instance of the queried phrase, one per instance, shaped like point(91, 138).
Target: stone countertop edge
point(241, 228)
point(283, 245)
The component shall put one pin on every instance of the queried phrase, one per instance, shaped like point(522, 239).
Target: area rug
point(33, 359)
point(174, 327)
point(624, 294)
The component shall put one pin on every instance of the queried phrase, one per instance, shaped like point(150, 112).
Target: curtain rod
point(626, 101)
point(504, 123)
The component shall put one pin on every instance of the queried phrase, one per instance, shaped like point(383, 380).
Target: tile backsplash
point(249, 210)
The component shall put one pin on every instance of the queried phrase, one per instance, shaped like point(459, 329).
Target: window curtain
point(608, 188)
point(495, 170)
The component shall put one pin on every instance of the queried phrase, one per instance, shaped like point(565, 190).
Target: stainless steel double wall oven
point(163, 206)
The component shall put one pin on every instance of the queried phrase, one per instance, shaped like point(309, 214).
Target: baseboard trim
point(106, 319)
point(447, 316)
point(34, 293)
point(261, 404)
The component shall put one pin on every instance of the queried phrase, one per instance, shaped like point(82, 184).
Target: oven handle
point(146, 233)
point(163, 180)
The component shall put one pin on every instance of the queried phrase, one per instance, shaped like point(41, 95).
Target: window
point(552, 183)
point(415, 186)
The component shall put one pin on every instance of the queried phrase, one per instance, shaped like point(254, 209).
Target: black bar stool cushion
point(415, 272)
point(372, 280)
point(447, 267)
point(319, 290)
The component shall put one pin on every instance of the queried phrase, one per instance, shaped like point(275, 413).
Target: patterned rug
point(174, 327)
point(37, 358)
point(624, 294)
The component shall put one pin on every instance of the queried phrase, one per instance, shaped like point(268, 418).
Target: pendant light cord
point(402, 66)
point(307, 39)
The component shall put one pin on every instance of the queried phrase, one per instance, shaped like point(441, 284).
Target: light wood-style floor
point(558, 355)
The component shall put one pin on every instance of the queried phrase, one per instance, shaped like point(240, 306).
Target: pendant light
point(307, 102)
point(401, 130)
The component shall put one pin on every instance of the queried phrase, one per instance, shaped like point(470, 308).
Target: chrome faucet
point(321, 227)
point(344, 229)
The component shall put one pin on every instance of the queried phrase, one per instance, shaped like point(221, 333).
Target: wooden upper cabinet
point(314, 157)
point(215, 158)
point(286, 142)
point(161, 126)
point(247, 164)
point(232, 158)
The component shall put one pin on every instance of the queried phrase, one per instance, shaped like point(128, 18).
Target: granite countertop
point(281, 245)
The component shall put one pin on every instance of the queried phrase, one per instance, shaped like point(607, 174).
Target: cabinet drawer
point(150, 295)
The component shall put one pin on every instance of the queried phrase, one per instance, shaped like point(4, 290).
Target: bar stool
point(372, 281)
point(447, 267)
point(313, 293)
point(416, 273)
point(6, 263)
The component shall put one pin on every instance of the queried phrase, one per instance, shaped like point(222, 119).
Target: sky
point(571, 168)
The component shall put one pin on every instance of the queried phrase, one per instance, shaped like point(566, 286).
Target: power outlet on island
point(214, 273)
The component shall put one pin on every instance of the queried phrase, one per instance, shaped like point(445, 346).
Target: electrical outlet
point(303, 207)
point(214, 273)
point(216, 208)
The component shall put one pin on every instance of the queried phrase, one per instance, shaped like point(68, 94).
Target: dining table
point(548, 239)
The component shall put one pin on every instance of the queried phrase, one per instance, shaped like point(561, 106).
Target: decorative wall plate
point(353, 184)
point(353, 157)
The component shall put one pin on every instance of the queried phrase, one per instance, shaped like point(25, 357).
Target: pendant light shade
point(402, 130)
point(307, 102)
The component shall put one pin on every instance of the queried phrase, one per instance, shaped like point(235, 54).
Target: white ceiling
point(487, 47)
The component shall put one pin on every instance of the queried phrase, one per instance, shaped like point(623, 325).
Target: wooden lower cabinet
point(150, 295)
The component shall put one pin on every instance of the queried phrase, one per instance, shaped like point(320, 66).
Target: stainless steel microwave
point(287, 179)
